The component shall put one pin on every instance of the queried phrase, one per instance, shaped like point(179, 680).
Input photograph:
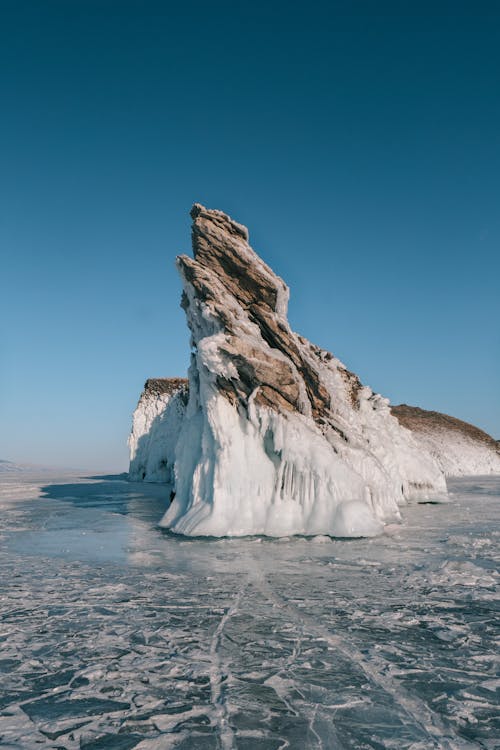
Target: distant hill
point(458, 447)
point(8, 466)
point(11, 467)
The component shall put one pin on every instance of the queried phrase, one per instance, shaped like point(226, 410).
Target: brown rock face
point(158, 386)
point(228, 276)
point(217, 242)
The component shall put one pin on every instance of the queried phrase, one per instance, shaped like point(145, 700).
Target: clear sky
point(360, 142)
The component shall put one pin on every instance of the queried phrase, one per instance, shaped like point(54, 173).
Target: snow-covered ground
point(116, 634)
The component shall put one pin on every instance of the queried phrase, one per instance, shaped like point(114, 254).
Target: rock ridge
point(277, 435)
point(272, 434)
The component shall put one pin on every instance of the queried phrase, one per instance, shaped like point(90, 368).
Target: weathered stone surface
point(226, 274)
point(158, 386)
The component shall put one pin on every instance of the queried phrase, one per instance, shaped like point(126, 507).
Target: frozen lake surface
point(115, 634)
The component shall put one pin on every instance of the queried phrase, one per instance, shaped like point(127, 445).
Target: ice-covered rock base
point(276, 437)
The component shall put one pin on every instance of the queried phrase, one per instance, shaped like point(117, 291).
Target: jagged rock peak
point(221, 246)
point(278, 436)
point(273, 435)
point(233, 227)
point(247, 300)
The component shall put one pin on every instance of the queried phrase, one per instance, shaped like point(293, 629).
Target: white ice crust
point(155, 428)
point(277, 475)
point(458, 454)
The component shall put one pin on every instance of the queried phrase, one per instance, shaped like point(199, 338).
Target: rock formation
point(457, 447)
point(277, 437)
point(155, 428)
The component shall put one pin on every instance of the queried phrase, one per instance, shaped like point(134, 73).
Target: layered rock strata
point(278, 436)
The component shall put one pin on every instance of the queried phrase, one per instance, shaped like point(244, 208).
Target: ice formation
point(277, 436)
point(155, 427)
point(459, 448)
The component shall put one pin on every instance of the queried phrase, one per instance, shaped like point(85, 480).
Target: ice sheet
point(116, 634)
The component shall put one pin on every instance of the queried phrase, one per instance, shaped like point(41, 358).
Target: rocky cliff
point(458, 447)
point(155, 428)
point(277, 436)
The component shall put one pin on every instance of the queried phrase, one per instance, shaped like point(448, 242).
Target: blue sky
point(360, 142)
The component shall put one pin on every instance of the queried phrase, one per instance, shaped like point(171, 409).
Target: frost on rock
point(458, 447)
point(155, 428)
point(277, 436)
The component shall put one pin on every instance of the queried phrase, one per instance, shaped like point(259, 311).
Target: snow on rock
point(458, 448)
point(155, 428)
point(277, 437)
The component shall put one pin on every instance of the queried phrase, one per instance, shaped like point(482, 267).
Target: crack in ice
point(226, 734)
point(415, 708)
